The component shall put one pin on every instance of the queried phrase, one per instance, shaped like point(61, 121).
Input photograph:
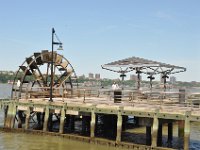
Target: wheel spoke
point(35, 73)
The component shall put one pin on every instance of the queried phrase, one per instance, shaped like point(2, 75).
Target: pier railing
point(178, 96)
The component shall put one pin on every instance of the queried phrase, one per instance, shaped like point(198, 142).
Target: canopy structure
point(141, 65)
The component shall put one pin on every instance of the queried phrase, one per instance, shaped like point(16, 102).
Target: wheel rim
point(33, 76)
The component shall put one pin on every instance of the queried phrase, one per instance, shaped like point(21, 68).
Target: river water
point(22, 141)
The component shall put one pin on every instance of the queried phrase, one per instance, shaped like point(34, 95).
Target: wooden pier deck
point(151, 113)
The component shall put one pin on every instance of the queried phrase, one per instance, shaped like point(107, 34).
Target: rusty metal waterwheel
point(33, 77)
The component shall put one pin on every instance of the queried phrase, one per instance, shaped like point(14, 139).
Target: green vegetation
point(5, 76)
point(132, 83)
point(187, 84)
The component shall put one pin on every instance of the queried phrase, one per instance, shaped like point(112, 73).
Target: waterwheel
point(33, 78)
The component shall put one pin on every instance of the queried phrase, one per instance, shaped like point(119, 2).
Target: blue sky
point(95, 32)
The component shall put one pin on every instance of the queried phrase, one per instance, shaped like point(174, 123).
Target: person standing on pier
point(115, 86)
point(117, 92)
point(18, 83)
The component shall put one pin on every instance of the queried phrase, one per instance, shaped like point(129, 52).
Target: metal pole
point(138, 77)
point(51, 83)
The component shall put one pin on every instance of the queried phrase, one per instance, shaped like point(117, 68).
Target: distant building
point(82, 76)
point(97, 76)
point(172, 79)
point(91, 76)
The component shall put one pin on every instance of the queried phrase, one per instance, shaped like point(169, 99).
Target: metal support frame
point(52, 61)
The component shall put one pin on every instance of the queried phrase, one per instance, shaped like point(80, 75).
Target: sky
point(96, 32)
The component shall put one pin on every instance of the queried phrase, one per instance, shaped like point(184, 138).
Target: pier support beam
point(62, 120)
point(187, 132)
point(10, 116)
point(46, 118)
point(92, 124)
point(119, 127)
point(148, 135)
point(155, 130)
point(27, 118)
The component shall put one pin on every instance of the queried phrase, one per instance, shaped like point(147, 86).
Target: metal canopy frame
point(141, 65)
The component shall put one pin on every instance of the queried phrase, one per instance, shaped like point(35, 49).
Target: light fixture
point(60, 47)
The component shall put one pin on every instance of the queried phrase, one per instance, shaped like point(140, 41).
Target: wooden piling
point(92, 124)
point(187, 132)
point(46, 118)
point(14, 111)
point(27, 118)
point(62, 120)
point(10, 117)
point(155, 130)
point(119, 127)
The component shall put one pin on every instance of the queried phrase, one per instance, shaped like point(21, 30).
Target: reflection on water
point(21, 141)
point(5, 90)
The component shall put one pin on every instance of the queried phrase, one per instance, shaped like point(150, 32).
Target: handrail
point(125, 95)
